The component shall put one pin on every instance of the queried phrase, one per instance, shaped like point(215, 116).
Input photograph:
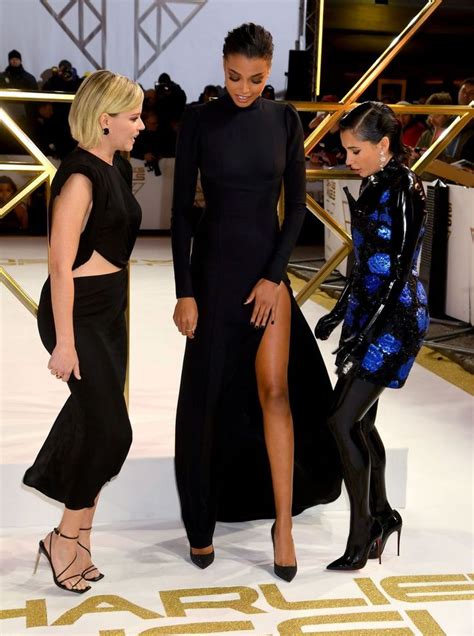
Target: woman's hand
point(186, 316)
point(63, 362)
point(265, 295)
point(326, 325)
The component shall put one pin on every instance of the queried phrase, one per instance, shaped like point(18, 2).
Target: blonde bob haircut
point(101, 92)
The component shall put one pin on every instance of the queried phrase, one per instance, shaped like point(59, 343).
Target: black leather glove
point(326, 325)
point(330, 321)
point(348, 351)
point(348, 366)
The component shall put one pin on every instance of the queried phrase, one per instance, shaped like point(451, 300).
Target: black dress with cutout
point(92, 434)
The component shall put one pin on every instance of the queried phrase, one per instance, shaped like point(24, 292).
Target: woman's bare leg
point(271, 366)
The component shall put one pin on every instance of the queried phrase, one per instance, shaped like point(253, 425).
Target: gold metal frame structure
point(464, 115)
point(319, 52)
point(43, 168)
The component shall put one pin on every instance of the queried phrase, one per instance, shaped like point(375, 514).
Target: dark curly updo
point(370, 121)
point(250, 40)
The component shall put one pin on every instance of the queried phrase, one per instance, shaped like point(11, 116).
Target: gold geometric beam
point(443, 140)
point(43, 165)
point(21, 167)
point(18, 292)
point(329, 122)
point(325, 271)
point(377, 67)
point(23, 138)
point(319, 53)
point(23, 193)
point(330, 265)
point(453, 173)
point(46, 173)
point(14, 95)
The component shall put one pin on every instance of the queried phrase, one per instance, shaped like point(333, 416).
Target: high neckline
point(229, 103)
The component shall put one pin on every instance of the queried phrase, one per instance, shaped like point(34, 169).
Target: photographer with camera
point(170, 103)
point(15, 76)
point(64, 79)
point(147, 144)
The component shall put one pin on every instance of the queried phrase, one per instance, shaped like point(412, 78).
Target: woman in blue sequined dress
point(385, 314)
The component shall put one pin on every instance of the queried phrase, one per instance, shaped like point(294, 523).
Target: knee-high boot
point(389, 519)
point(353, 398)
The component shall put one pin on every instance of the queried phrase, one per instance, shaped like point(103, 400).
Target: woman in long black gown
point(93, 221)
point(250, 356)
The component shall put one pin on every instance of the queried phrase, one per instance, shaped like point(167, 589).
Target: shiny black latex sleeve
point(331, 320)
point(408, 217)
point(294, 180)
point(183, 212)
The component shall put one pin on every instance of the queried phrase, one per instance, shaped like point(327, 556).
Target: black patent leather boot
point(392, 522)
point(356, 554)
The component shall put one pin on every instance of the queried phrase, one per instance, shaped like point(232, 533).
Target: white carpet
point(140, 543)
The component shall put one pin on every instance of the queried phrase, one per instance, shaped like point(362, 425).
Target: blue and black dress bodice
point(384, 303)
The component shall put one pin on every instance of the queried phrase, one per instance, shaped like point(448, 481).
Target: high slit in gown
point(222, 469)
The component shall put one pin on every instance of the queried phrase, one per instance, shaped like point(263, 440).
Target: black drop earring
point(105, 131)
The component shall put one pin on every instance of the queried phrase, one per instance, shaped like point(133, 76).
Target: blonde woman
point(93, 223)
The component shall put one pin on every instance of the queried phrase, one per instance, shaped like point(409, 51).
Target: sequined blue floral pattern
point(389, 344)
point(372, 283)
point(387, 311)
point(379, 264)
point(373, 359)
point(384, 232)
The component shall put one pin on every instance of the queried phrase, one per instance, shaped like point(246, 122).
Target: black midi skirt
point(91, 436)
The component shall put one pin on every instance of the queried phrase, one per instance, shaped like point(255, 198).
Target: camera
point(153, 166)
point(162, 90)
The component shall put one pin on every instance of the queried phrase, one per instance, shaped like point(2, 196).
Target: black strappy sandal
point(92, 567)
point(57, 577)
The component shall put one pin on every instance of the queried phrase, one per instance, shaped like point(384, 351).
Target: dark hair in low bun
point(250, 40)
point(370, 121)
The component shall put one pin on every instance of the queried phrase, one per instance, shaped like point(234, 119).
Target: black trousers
point(91, 436)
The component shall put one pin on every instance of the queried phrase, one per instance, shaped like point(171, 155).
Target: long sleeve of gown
point(185, 179)
point(294, 180)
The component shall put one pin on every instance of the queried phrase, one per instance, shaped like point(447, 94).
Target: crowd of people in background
point(46, 123)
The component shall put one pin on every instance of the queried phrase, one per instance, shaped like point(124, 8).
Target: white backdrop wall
point(189, 47)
